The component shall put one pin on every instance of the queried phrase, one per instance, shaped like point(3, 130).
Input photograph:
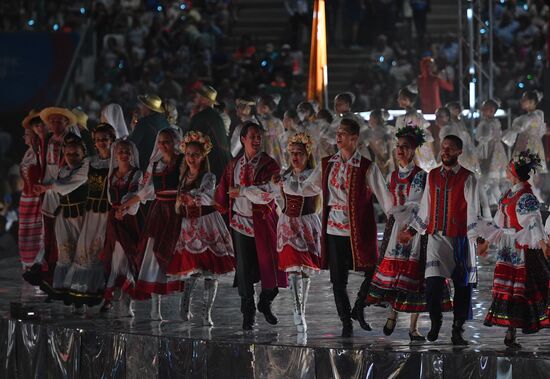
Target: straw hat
point(208, 93)
point(153, 102)
point(27, 120)
point(47, 112)
point(81, 118)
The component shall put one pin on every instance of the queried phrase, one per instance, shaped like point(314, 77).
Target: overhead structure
point(475, 35)
point(317, 85)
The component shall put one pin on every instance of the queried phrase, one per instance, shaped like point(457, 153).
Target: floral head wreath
point(525, 158)
point(197, 137)
point(414, 132)
point(302, 138)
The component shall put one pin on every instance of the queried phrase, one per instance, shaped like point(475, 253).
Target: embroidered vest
point(97, 190)
point(449, 210)
point(117, 192)
point(74, 204)
point(400, 187)
point(508, 207)
point(169, 178)
point(296, 206)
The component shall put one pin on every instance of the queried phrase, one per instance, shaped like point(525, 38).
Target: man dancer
point(448, 213)
point(348, 182)
point(253, 218)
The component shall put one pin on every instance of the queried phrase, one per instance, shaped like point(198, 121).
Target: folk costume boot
point(343, 307)
point(248, 309)
point(305, 292)
point(210, 289)
point(510, 339)
point(127, 305)
point(185, 301)
point(264, 305)
point(295, 284)
point(358, 311)
point(155, 307)
point(437, 320)
point(456, 336)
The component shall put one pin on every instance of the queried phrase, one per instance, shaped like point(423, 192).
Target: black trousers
point(434, 295)
point(340, 261)
point(247, 270)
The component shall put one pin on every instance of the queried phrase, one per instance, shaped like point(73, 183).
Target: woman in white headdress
point(112, 114)
point(162, 226)
point(120, 256)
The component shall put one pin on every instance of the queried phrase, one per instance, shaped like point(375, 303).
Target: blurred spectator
point(299, 14)
point(8, 246)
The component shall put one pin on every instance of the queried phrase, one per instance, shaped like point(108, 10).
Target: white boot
point(306, 281)
point(210, 289)
point(127, 305)
point(295, 282)
point(155, 307)
point(185, 302)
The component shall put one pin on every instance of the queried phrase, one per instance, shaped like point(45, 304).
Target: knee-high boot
point(210, 289)
point(155, 307)
point(185, 302)
point(295, 282)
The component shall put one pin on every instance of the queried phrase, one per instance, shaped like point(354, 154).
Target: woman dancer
point(299, 228)
point(399, 279)
point(379, 140)
point(85, 279)
point(30, 208)
point(204, 247)
point(522, 274)
point(273, 127)
point(71, 185)
point(120, 255)
point(162, 226)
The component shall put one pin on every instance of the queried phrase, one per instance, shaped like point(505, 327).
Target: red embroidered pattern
point(335, 176)
point(338, 225)
point(241, 227)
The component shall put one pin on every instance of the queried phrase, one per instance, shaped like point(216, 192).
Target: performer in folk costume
point(162, 226)
point(528, 129)
point(57, 121)
point(273, 128)
point(243, 110)
point(348, 181)
point(399, 279)
point(448, 213)
point(30, 239)
point(424, 154)
point(72, 188)
point(85, 279)
point(317, 128)
point(490, 150)
point(120, 256)
point(299, 228)
point(379, 140)
point(522, 274)
point(253, 218)
point(456, 126)
point(204, 247)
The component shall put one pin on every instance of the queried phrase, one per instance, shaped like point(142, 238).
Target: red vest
point(449, 209)
point(364, 244)
point(400, 187)
point(508, 207)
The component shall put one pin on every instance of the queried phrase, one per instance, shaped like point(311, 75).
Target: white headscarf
point(176, 137)
point(113, 115)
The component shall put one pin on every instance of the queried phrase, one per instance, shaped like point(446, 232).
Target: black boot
point(456, 337)
point(264, 305)
point(248, 310)
point(510, 339)
point(358, 311)
point(343, 307)
point(437, 321)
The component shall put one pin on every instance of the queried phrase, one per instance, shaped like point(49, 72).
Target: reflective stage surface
point(59, 344)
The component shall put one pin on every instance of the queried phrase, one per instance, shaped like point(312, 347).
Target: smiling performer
point(448, 214)
point(253, 218)
point(349, 181)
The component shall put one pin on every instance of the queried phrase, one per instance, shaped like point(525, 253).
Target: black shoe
point(358, 314)
point(456, 336)
point(106, 307)
point(387, 330)
point(265, 308)
point(510, 339)
point(347, 329)
point(433, 334)
point(416, 337)
point(248, 323)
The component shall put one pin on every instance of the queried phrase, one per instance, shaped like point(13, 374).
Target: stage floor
point(61, 344)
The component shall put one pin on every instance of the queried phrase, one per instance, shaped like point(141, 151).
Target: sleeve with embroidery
point(132, 190)
point(530, 219)
point(263, 194)
point(64, 186)
point(420, 218)
point(376, 181)
point(404, 214)
point(146, 191)
point(205, 193)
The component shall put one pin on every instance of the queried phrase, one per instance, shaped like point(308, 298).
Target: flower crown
point(197, 137)
point(526, 158)
point(302, 138)
point(410, 130)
